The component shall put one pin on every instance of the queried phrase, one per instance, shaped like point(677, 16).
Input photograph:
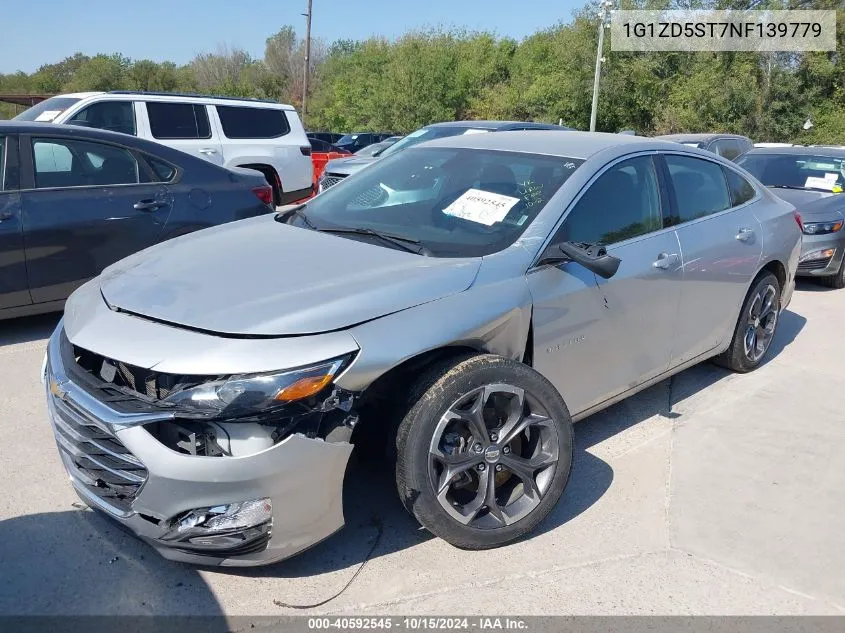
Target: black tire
point(443, 386)
point(835, 281)
point(737, 357)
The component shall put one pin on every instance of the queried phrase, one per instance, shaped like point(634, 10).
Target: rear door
point(623, 325)
point(721, 241)
point(183, 126)
point(14, 290)
point(85, 205)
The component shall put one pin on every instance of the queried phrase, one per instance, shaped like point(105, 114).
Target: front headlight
point(821, 228)
point(254, 393)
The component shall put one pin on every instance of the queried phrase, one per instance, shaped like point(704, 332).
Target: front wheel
point(484, 452)
point(756, 326)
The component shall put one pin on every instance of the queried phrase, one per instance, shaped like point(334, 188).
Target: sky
point(47, 31)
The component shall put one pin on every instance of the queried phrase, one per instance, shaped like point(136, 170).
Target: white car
point(256, 134)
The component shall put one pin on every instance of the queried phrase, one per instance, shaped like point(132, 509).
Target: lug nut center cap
point(491, 455)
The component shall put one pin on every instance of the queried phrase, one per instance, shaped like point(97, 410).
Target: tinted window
point(741, 190)
point(699, 185)
point(47, 110)
point(456, 202)
point(801, 171)
point(319, 146)
point(72, 163)
point(117, 116)
point(622, 203)
point(163, 172)
point(252, 122)
point(178, 120)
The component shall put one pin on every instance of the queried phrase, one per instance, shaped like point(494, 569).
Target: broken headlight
point(254, 393)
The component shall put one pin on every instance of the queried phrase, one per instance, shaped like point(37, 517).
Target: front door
point(596, 338)
point(85, 208)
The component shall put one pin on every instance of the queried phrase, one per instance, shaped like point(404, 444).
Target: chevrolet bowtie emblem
point(56, 389)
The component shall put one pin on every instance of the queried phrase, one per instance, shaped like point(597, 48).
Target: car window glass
point(2, 161)
point(74, 163)
point(319, 146)
point(241, 122)
point(699, 185)
point(804, 171)
point(728, 148)
point(178, 120)
point(163, 172)
point(622, 203)
point(456, 202)
point(117, 116)
point(741, 190)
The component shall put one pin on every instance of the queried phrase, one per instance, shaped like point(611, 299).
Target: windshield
point(47, 110)
point(429, 133)
point(799, 171)
point(454, 202)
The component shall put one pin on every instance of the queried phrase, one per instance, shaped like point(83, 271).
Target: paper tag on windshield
point(48, 115)
point(831, 177)
point(475, 131)
point(819, 183)
point(480, 206)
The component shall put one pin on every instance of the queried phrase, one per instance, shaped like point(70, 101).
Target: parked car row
point(452, 305)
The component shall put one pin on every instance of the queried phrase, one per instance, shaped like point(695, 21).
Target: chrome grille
point(95, 457)
point(814, 264)
point(330, 181)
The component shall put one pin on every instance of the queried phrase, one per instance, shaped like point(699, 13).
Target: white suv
point(256, 134)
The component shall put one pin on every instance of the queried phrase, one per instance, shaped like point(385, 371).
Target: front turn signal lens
point(304, 387)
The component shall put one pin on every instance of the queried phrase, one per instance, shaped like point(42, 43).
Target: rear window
point(178, 120)
point(240, 122)
point(47, 110)
point(163, 172)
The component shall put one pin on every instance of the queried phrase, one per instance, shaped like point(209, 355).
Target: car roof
point(701, 137)
point(829, 152)
point(138, 95)
point(567, 144)
point(498, 125)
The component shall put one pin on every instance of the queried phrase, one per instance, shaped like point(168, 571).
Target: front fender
point(493, 318)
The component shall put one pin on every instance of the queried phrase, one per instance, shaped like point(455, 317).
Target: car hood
point(258, 277)
point(347, 166)
point(823, 209)
point(799, 197)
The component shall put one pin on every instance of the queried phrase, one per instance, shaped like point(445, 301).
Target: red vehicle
point(321, 153)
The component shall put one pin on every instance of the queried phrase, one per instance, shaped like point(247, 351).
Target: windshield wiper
point(396, 240)
point(788, 187)
point(284, 216)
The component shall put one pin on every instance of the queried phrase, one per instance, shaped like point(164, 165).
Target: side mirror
point(593, 257)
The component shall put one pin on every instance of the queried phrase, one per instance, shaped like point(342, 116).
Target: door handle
point(148, 205)
point(665, 260)
point(745, 235)
point(207, 151)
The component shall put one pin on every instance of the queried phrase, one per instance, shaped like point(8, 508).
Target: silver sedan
point(456, 305)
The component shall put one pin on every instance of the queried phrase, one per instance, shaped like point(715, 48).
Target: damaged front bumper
point(270, 504)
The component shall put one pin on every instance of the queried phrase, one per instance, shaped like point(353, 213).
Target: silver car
point(460, 303)
point(813, 179)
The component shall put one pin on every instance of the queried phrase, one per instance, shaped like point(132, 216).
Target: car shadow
point(809, 285)
point(28, 329)
point(77, 563)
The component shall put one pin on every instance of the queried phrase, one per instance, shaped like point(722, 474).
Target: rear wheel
point(756, 326)
point(837, 280)
point(484, 452)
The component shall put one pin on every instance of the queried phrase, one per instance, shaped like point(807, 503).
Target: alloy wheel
point(493, 456)
point(760, 323)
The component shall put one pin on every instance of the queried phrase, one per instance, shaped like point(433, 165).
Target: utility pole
point(604, 12)
point(306, 70)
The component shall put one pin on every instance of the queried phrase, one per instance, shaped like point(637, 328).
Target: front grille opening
point(149, 384)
